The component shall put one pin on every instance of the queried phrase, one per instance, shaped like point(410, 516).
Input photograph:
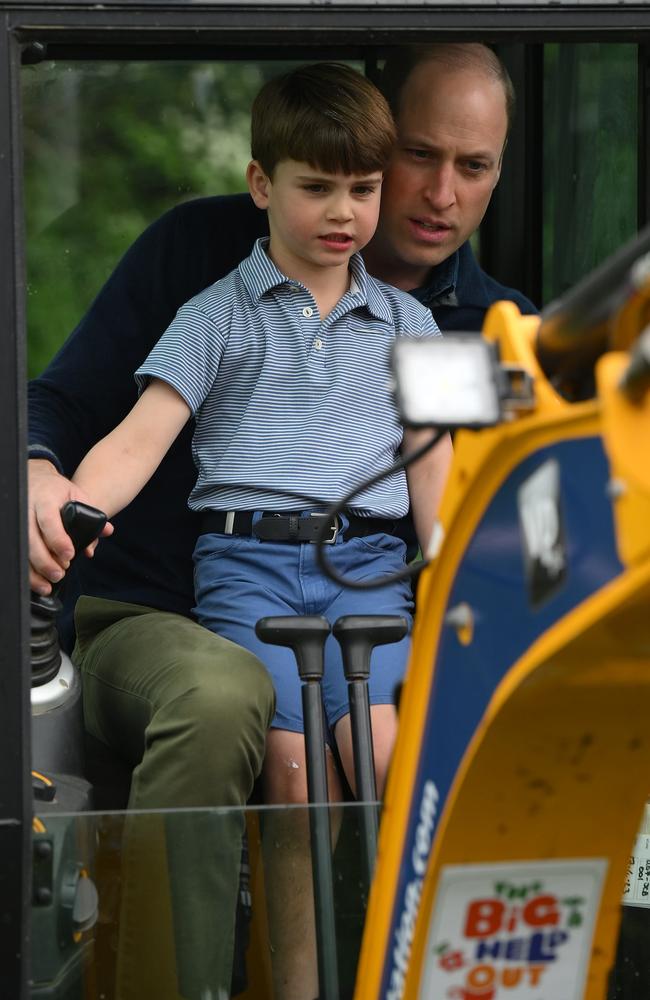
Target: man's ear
point(258, 184)
point(500, 163)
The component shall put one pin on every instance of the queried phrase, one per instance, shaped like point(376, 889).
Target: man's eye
point(418, 154)
point(476, 166)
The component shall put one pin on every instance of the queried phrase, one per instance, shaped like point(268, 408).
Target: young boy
point(285, 365)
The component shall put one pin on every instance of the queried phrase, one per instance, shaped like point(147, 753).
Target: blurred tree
point(108, 147)
point(590, 158)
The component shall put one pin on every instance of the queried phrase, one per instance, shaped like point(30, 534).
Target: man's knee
point(205, 746)
point(234, 694)
point(204, 742)
point(157, 657)
point(151, 674)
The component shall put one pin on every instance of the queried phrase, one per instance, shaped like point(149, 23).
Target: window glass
point(176, 901)
point(108, 147)
point(171, 904)
point(590, 158)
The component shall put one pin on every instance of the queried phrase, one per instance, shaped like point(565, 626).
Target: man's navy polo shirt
point(459, 293)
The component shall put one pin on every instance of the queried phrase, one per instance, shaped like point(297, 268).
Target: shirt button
point(318, 343)
point(307, 312)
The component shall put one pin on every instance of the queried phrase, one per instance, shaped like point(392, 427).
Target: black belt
point(288, 527)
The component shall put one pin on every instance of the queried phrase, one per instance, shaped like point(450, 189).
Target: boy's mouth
point(339, 240)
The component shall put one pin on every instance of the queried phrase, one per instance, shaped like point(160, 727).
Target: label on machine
point(515, 931)
point(637, 879)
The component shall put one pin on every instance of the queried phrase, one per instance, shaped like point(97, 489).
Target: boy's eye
point(364, 189)
point(315, 188)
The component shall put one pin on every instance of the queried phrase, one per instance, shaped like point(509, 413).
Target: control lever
point(357, 636)
point(83, 524)
point(306, 636)
point(57, 722)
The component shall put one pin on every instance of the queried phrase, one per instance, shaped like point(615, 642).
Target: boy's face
point(316, 219)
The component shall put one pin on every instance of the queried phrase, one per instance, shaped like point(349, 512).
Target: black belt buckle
point(334, 527)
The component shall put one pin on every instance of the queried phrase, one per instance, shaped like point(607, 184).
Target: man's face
point(452, 127)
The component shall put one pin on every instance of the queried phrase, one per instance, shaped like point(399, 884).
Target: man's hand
point(50, 548)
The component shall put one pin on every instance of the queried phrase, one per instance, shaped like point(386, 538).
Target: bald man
point(453, 105)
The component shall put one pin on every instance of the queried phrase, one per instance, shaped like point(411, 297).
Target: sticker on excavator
point(637, 880)
point(515, 931)
point(542, 529)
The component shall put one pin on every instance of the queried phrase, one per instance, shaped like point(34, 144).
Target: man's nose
point(440, 188)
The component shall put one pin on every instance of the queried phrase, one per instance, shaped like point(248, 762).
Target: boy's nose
point(340, 208)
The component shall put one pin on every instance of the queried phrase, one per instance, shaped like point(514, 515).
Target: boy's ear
point(258, 184)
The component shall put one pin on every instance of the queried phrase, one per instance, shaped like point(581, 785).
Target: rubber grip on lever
point(83, 523)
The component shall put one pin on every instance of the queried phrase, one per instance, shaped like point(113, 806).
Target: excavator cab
point(512, 846)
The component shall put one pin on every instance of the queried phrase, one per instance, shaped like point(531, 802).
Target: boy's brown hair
point(327, 115)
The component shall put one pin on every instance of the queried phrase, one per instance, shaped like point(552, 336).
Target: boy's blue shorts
point(239, 580)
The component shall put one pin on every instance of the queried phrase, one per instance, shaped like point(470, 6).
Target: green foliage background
point(108, 147)
point(590, 183)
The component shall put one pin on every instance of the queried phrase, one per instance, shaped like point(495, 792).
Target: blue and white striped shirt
point(283, 400)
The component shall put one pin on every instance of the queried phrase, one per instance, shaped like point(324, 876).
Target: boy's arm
point(88, 387)
point(426, 481)
point(117, 467)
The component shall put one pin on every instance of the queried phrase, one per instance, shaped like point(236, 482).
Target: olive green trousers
point(189, 711)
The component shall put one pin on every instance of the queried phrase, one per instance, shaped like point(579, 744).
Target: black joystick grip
point(304, 634)
point(359, 634)
point(83, 523)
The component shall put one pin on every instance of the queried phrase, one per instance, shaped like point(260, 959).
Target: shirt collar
point(259, 275)
point(457, 280)
point(366, 291)
point(258, 272)
point(440, 286)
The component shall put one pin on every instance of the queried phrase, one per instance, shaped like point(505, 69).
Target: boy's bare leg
point(287, 854)
point(384, 732)
point(287, 865)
